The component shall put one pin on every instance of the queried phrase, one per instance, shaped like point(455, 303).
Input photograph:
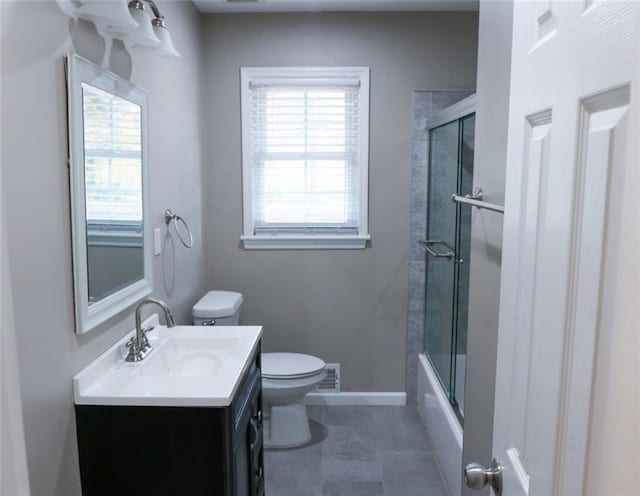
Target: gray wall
point(35, 35)
point(344, 306)
point(492, 112)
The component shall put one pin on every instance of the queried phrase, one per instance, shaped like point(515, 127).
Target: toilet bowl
point(286, 380)
point(286, 377)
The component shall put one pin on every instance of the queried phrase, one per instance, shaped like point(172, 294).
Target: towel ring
point(184, 234)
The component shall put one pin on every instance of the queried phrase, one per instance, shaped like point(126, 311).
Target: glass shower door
point(448, 248)
point(441, 239)
point(463, 254)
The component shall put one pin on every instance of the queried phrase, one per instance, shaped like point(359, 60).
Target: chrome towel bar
point(427, 244)
point(475, 200)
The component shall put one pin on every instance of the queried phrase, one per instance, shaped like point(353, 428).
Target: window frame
point(304, 76)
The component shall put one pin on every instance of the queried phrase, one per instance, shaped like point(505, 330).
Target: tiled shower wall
point(425, 105)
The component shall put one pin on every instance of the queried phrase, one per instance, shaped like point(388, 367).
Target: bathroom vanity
point(187, 420)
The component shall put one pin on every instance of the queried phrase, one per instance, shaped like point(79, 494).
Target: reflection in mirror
point(109, 201)
point(113, 191)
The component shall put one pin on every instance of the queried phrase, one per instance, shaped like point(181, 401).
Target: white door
point(562, 277)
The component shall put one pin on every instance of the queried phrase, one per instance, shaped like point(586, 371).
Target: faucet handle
point(133, 340)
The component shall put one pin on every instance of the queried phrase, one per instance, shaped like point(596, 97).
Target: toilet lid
point(217, 304)
point(290, 365)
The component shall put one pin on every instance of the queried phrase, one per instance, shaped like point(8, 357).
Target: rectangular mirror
point(109, 200)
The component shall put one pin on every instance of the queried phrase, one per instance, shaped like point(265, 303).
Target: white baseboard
point(357, 399)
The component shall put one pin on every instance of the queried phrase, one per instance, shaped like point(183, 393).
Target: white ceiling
point(217, 6)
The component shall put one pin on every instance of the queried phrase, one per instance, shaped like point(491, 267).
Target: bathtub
point(441, 422)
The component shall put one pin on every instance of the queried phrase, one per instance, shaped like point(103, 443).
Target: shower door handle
point(427, 245)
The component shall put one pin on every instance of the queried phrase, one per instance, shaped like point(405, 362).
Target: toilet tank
point(218, 308)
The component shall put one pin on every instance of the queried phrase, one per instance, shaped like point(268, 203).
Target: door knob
point(477, 477)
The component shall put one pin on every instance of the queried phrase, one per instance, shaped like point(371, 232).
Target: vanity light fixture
point(166, 47)
point(111, 13)
point(143, 35)
point(128, 22)
point(150, 33)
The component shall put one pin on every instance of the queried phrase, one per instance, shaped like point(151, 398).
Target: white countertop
point(189, 366)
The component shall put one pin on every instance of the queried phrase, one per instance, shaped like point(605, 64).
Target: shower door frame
point(455, 112)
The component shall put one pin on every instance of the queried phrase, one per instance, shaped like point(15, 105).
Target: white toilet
point(286, 377)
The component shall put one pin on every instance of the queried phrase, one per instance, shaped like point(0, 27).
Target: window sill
point(120, 239)
point(305, 242)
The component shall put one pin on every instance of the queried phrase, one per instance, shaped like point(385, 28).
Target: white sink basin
point(189, 366)
point(189, 357)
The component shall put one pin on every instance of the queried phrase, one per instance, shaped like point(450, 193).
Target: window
point(305, 142)
point(113, 164)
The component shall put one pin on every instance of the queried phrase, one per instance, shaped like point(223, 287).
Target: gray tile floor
point(372, 451)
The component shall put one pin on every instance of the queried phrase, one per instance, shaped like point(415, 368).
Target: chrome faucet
point(139, 346)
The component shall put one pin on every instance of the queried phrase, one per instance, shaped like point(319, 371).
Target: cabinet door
point(248, 459)
point(255, 446)
point(242, 464)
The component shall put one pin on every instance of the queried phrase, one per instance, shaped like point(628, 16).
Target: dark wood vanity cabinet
point(175, 451)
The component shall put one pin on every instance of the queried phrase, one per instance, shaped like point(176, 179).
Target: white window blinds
point(305, 165)
point(113, 157)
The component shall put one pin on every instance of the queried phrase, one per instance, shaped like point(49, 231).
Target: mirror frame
point(78, 71)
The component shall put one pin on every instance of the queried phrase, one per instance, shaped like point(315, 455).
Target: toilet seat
point(290, 366)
